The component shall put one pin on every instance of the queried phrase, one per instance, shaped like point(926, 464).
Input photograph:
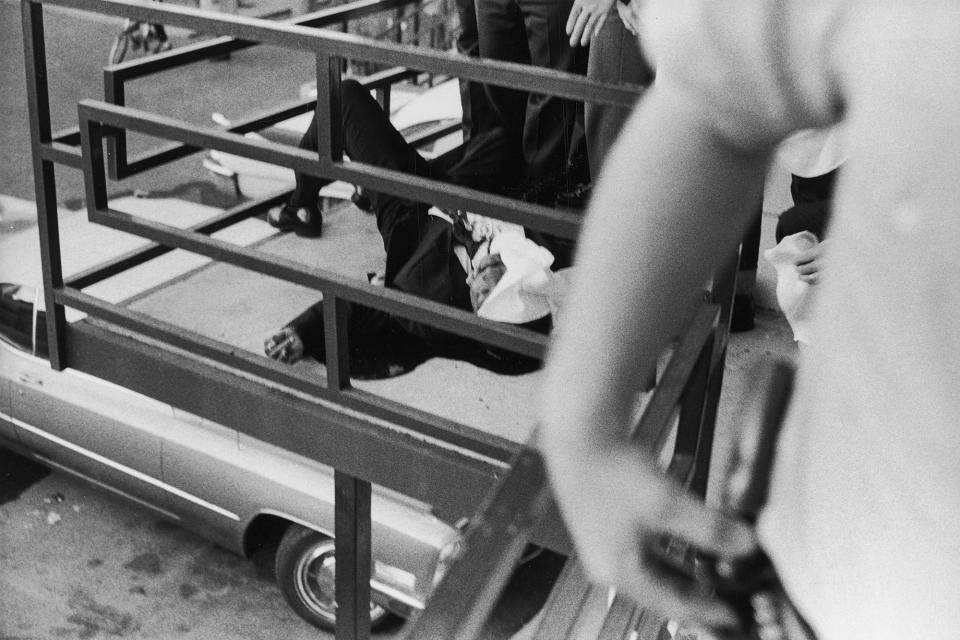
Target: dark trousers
point(419, 255)
point(750, 245)
point(615, 58)
point(490, 160)
point(369, 137)
point(811, 209)
point(543, 134)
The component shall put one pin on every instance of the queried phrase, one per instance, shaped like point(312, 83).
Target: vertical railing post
point(694, 433)
point(724, 287)
point(329, 110)
point(335, 317)
point(352, 531)
point(114, 92)
point(38, 99)
point(330, 150)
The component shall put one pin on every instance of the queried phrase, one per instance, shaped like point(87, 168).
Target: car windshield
point(17, 319)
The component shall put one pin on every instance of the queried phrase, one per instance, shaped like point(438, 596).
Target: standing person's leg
point(815, 189)
point(486, 156)
point(811, 211)
point(614, 58)
point(550, 134)
point(468, 44)
point(806, 216)
point(502, 36)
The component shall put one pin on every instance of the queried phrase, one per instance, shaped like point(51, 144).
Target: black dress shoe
point(306, 222)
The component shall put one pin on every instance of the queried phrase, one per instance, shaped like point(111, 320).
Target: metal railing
point(248, 391)
point(682, 406)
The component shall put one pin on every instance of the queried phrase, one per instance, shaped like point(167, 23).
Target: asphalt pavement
point(77, 46)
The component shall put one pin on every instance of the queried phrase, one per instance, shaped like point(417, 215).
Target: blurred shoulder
point(769, 63)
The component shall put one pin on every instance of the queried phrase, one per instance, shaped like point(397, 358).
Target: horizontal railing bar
point(411, 307)
point(428, 424)
point(196, 52)
point(169, 153)
point(565, 224)
point(175, 58)
point(264, 120)
point(157, 158)
point(434, 133)
point(61, 154)
point(653, 427)
point(491, 547)
point(136, 257)
point(561, 223)
point(351, 46)
point(523, 496)
point(387, 77)
point(69, 136)
point(432, 472)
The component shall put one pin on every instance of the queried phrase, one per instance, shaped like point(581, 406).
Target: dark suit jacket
point(383, 345)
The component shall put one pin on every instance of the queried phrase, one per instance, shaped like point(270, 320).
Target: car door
point(87, 426)
point(7, 430)
point(209, 487)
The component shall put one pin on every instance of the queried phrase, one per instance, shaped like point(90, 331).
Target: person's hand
point(629, 13)
point(811, 262)
point(585, 20)
point(284, 346)
point(616, 504)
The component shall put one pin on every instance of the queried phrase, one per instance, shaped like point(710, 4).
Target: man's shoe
point(306, 222)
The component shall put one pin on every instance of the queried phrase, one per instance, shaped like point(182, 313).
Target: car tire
point(305, 564)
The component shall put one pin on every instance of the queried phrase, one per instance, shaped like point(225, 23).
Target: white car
point(240, 492)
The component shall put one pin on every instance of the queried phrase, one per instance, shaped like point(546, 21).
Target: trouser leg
point(553, 127)
point(816, 189)
point(485, 161)
point(750, 245)
point(742, 313)
point(807, 216)
point(811, 211)
point(468, 44)
point(502, 36)
point(615, 58)
point(368, 137)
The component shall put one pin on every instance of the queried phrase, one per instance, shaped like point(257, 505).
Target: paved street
point(77, 563)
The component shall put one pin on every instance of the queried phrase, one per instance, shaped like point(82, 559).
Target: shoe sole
point(300, 230)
